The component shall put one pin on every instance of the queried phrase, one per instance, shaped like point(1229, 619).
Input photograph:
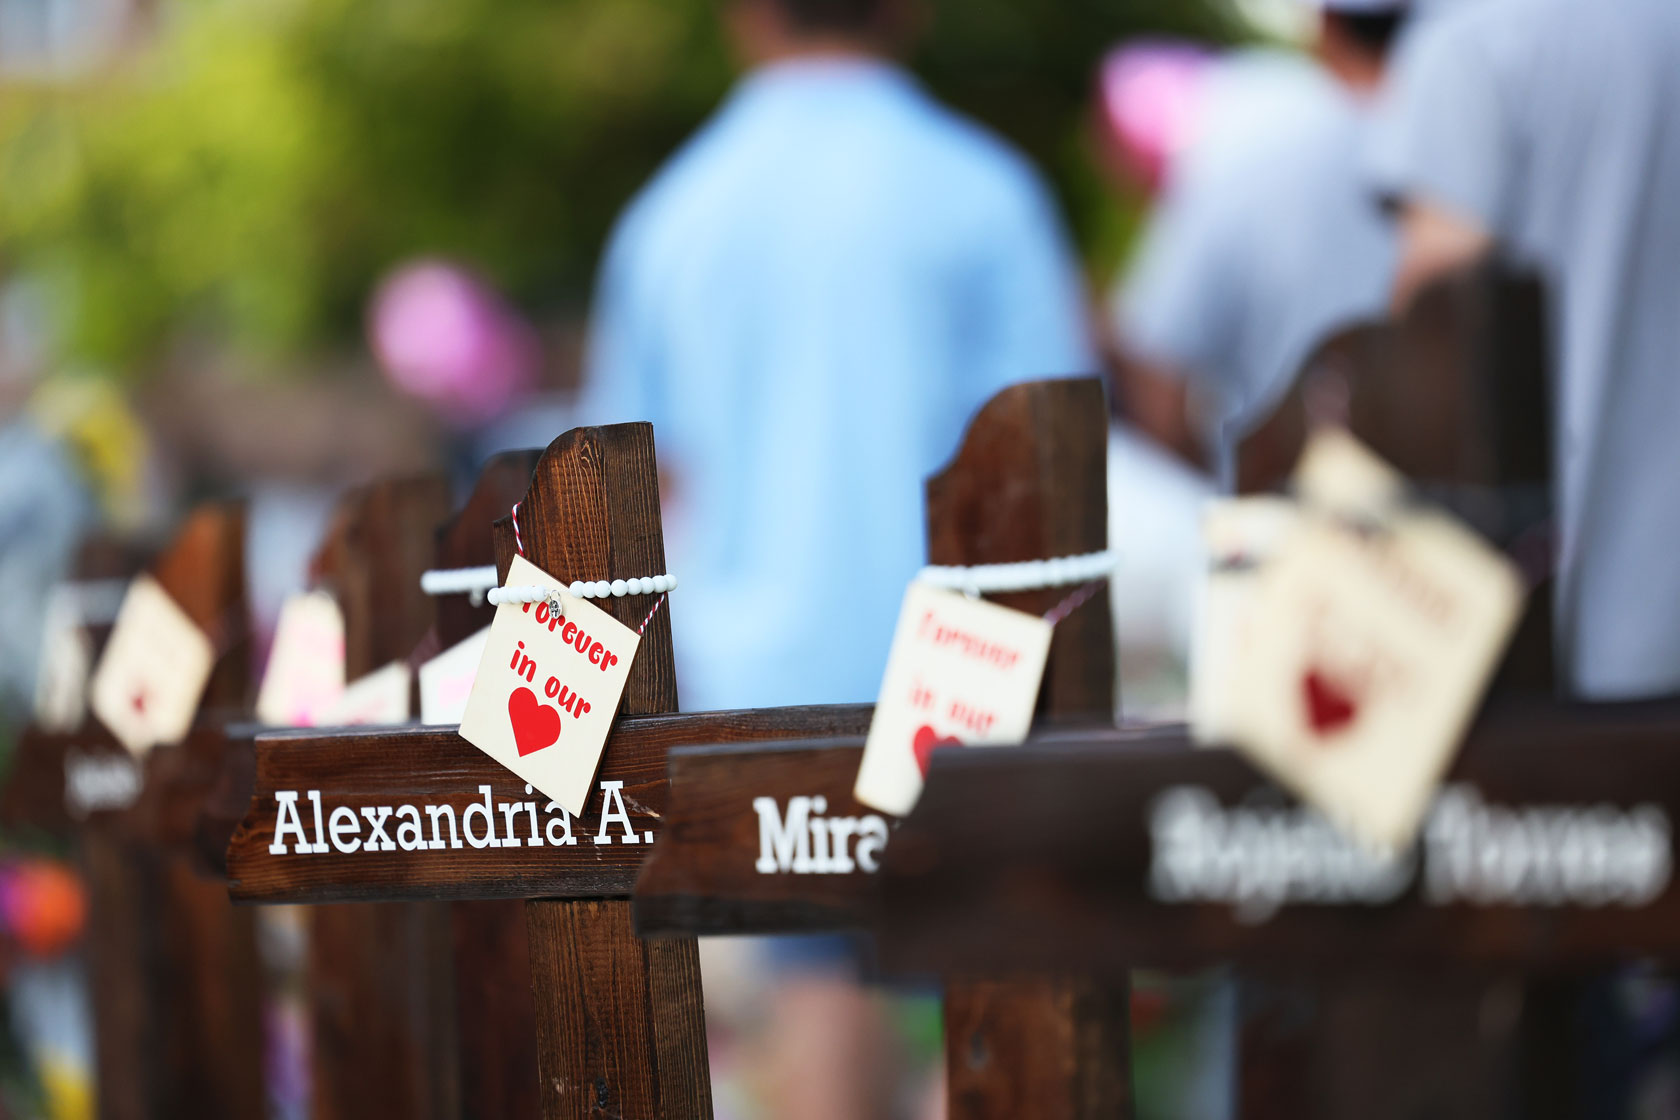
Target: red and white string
point(586, 589)
point(1073, 602)
point(1090, 570)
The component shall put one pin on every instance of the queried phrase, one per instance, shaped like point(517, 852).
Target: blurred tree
point(249, 172)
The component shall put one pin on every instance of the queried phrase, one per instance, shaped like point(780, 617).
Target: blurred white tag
point(153, 672)
point(446, 680)
point(1338, 474)
point(1240, 536)
point(1368, 652)
point(546, 690)
point(961, 672)
point(379, 699)
point(305, 674)
point(61, 676)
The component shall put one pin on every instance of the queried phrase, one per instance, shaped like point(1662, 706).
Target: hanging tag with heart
point(1371, 641)
point(547, 688)
point(305, 674)
point(153, 670)
point(961, 672)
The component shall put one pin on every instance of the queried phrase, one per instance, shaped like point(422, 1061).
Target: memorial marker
point(618, 1023)
point(771, 838)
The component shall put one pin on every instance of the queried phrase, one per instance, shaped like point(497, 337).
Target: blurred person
point(1264, 240)
point(1549, 129)
point(809, 302)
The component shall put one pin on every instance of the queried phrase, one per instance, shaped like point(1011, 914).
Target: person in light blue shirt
point(809, 302)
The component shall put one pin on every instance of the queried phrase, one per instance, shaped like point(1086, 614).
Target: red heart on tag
point(1329, 709)
point(535, 725)
point(927, 741)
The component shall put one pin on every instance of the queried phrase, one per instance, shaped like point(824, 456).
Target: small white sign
point(380, 699)
point(447, 679)
point(547, 688)
point(961, 672)
point(1240, 537)
point(306, 665)
point(61, 681)
point(1369, 648)
point(149, 681)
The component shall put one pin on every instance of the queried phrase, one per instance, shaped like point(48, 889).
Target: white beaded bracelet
point(477, 581)
point(1023, 575)
point(588, 589)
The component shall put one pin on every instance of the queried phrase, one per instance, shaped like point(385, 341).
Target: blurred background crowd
point(275, 248)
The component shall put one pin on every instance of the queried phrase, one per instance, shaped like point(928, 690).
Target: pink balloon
point(1151, 95)
point(443, 336)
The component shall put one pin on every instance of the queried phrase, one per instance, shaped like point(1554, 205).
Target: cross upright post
point(1028, 483)
point(174, 976)
point(617, 1021)
point(379, 983)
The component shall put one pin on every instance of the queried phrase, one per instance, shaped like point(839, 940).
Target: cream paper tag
point(961, 672)
point(1368, 654)
point(546, 690)
point(1240, 536)
point(1338, 474)
point(447, 679)
point(380, 699)
point(305, 674)
point(153, 672)
point(61, 678)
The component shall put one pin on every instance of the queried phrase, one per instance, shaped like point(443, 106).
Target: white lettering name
point(96, 783)
point(807, 844)
point(1258, 859)
point(483, 823)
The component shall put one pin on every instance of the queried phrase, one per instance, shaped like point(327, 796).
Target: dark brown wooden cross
point(1396, 988)
point(1550, 850)
point(618, 1022)
point(618, 1019)
point(379, 978)
point(1029, 482)
point(174, 975)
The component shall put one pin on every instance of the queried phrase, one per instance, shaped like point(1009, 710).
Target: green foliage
point(252, 171)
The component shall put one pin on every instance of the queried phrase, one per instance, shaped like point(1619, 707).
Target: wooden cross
point(1550, 850)
point(618, 1021)
point(1029, 482)
point(174, 976)
point(1455, 395)
point(379, 977)
point(591, 512)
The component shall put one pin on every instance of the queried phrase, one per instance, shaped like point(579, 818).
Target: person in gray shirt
point(1265, 239)
point(1550, 130)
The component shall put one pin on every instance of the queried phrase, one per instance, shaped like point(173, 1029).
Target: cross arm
point(419, 813)
point(1550, 844)
point(767, 838)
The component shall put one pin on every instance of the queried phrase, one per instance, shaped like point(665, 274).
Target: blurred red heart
point(927, 741)
point(1329, 709)
point(535, 725)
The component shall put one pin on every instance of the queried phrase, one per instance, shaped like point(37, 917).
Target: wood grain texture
point(1066, 887)
point(1455, 395)
point(592, 512)
point(467, 540)
point(204, 572)
point(1031, 482)
point(380, 977)
point(365, 767)
point(379, 539)
point(495, 1018)
point(702, 876)
point(176, 987)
